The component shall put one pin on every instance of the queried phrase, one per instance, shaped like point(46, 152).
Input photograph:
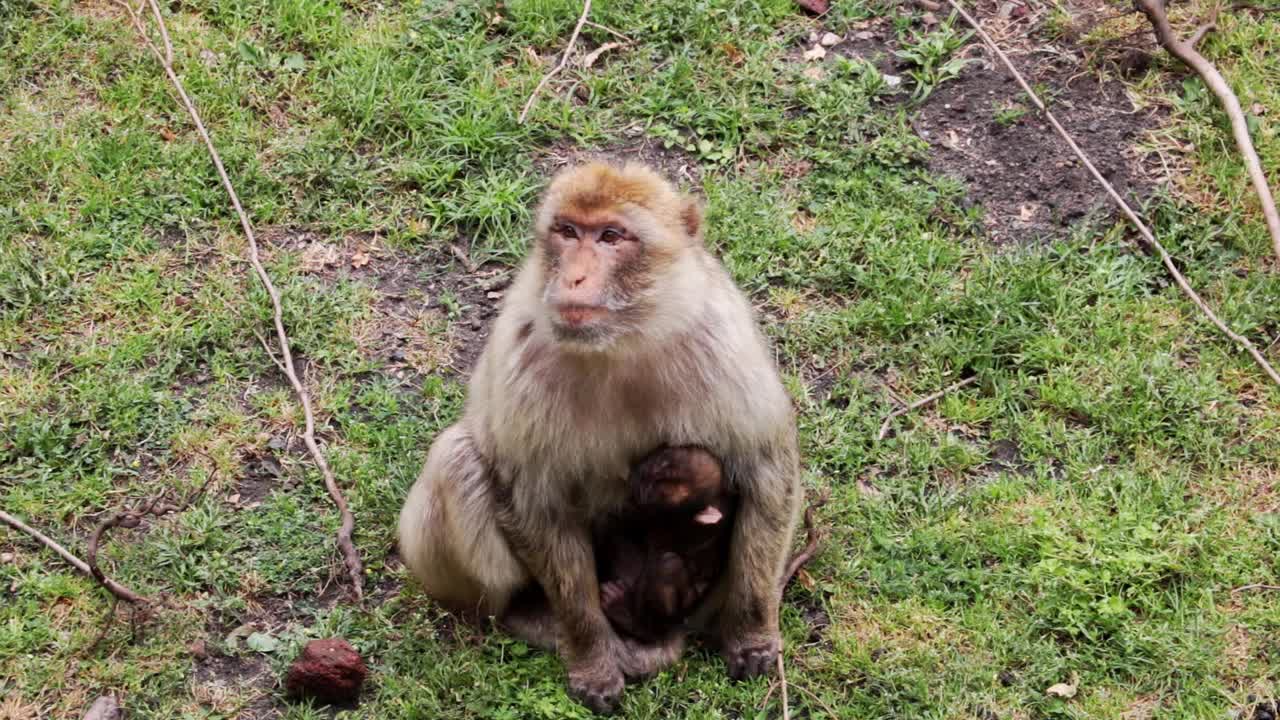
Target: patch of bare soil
point(986, 133)
point(431, 310)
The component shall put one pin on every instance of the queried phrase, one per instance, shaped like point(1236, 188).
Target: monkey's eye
point(567, 231)
point(611, 236)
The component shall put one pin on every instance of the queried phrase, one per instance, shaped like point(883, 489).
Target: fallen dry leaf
point(817, 53)
point(359, 259)
point(318, 256)
point(803, 222)
point(815, 73)
point(1026, 212)
point(1066, 691)
point(818, 7)
point(806, 580)
point(732, 51)
point(1258, 109)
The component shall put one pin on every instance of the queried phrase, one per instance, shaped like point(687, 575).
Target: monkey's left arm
point(768, 480)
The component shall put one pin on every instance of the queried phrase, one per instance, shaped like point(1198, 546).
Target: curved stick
point(1129, 213)
point(812, 542)
point(1187, 53)
point(114, 587)
point(351, 557)
point(564, 60)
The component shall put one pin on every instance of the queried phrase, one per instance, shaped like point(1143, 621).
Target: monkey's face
point(610, 241)
point(596, 266)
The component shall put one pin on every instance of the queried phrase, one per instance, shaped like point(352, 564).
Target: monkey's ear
point(691, 218)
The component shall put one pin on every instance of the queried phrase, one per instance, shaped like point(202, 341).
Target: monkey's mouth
point(578, 316)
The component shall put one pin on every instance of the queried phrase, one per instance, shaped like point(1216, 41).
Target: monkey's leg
point(449, 537)
point(558, 551)
point(766, 520)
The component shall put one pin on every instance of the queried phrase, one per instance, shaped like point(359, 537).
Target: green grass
point(1080, 514)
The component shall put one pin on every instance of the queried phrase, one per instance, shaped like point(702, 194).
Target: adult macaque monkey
point(620, 334)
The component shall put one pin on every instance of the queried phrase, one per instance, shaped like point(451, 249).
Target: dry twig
point(782, 683)
point(564, 60)
point(1185, 50)
point(611, 31)
point(1255, 586)
point(351, 557)
point(114, 587)
point(888, 421)
point(1129, 213)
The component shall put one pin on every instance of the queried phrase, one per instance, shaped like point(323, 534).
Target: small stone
point(892, 81)
point(816, 53)
point(6, 557)
point(494, 295)
point(830, 39)
point(396, 356)
point(1006, 10)
point(864, 35)
point(106, 707)
point(328, 670)
point(929, 19)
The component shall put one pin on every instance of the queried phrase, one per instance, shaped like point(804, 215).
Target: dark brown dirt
point(1024, 178)
point(431, 312)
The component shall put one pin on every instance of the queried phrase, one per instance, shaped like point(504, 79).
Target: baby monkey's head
point(679, 480)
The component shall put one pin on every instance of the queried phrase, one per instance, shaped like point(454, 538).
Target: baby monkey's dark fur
point(659, 559)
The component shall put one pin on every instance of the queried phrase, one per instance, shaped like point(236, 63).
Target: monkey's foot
point(751, 656)
point(598, 686)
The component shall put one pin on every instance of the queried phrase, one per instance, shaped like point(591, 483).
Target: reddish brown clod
point(330, 671)
point(817, 7)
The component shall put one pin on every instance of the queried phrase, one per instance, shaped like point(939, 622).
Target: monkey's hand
point(752, 655)
point(596, 683)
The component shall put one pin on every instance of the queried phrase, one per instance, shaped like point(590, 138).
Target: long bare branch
point(1129, 213)
point(351, 557)
point(1187, 53)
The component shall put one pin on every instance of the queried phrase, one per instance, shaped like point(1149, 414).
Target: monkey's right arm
point(557, 550)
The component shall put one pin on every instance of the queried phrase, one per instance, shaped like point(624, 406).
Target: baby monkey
point(658, 562)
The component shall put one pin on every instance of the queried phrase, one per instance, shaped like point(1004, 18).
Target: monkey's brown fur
point(620, 334)
point(660, 557)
